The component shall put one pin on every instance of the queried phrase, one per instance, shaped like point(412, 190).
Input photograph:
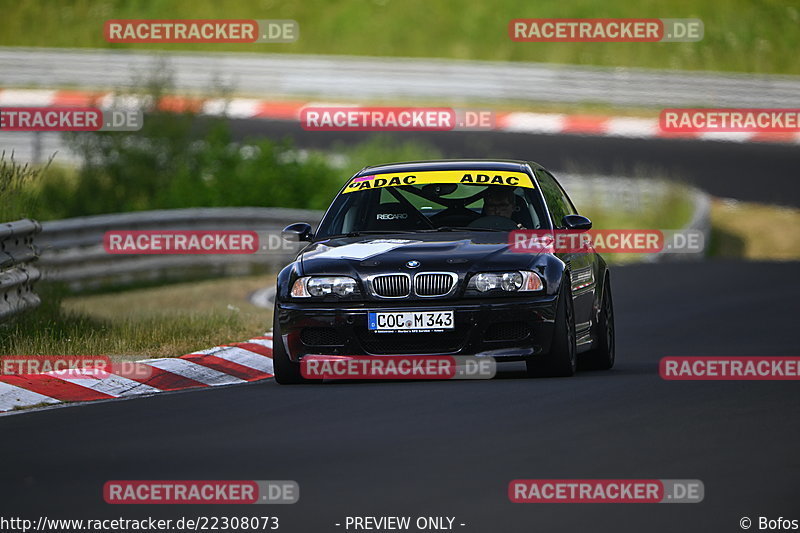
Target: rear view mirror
point(299, 231)
point(576, 222)
point(439, 189)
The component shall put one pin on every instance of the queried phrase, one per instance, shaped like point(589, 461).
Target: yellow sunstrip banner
point(476, 177)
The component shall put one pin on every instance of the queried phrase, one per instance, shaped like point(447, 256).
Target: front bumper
point(508, 329)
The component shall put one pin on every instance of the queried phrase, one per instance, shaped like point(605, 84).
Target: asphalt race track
point(451, 448)
point(758, 172)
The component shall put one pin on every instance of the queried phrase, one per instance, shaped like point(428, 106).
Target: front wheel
point(286, 371)
point(562, 359)
point(602, 357)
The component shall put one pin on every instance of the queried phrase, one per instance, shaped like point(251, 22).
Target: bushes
point(178, 161)
point(180, 158)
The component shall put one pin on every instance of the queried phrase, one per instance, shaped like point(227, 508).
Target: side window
point(567, 202)
point(557, 200)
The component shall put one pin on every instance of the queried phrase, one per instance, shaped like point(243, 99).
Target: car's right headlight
point(309, 286)
point(515, 281)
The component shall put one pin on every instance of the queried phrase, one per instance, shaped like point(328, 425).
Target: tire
point(286, 372)
point(602, 357)
point(562, 359)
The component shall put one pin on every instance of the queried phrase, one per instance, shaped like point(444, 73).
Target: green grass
point(754, 231)
point(758, 36)
point(17, 183)
point(153, 322)
point(672, 212)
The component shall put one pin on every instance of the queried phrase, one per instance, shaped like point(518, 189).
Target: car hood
point(451, 252)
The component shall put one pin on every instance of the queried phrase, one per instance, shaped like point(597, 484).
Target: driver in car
point(499, 202)
point(498, 208)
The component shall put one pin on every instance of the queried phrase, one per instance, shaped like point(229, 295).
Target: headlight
point(519, 281)
point(323, 286)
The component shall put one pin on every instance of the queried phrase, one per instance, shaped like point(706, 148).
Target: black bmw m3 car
point(414, 259)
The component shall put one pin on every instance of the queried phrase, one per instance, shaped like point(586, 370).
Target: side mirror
point(299, 231)
point(576, 222)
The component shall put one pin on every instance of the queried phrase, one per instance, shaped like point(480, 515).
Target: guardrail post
point(17, 273)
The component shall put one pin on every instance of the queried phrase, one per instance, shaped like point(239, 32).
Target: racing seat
point(393, 217)
point(522, 215)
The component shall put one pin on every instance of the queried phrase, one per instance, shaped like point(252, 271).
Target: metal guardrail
point(700, 221)
point(638, 196)
point(72, 249)
point(348, 77)
point(17, 273)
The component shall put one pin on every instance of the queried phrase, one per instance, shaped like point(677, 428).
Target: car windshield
point(435, 201)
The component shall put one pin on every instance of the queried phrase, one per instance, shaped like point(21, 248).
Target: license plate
point(411, 321)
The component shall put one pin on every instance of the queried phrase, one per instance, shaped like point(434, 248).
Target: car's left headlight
point(515, 281)
point(309, 286)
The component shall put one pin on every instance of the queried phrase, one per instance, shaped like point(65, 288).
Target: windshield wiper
point(369, 232)
point(402, 231)
point(456, 228)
